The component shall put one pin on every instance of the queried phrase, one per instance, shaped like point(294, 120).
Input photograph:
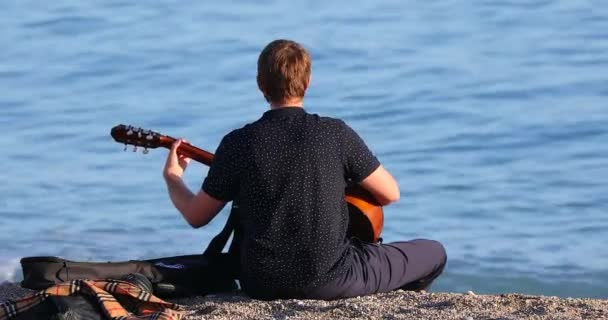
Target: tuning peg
point(146, 150)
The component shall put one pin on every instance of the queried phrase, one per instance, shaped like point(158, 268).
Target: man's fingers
point(176, 145)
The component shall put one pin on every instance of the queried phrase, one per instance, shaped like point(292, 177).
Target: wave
point(10, 270)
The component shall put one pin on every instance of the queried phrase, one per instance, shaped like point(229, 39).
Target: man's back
point(290, 198)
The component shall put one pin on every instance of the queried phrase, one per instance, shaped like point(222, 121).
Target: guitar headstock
point(137, 137)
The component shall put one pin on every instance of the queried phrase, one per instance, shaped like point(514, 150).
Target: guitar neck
point(188, 150)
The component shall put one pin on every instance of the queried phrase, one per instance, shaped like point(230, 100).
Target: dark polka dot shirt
point(287, 173)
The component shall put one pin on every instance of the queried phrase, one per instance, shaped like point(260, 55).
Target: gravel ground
point(393, 305)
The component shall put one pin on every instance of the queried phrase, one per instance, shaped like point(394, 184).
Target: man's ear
point(262, 88)
point(257, 79)
point(308, 82)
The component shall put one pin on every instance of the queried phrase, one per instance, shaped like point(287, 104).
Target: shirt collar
point(283, 112)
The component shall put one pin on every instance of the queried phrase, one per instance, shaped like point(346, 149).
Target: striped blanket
point(106, 293)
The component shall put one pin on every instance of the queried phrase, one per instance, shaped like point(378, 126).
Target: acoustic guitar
point(366, 217)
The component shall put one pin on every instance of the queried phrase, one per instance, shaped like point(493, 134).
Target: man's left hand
point(176, 163)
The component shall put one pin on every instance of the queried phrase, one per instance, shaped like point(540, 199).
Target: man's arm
point(198, 209)
point(381, 184)
point(363, 167)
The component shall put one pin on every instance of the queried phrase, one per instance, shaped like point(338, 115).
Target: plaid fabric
point(105, 292)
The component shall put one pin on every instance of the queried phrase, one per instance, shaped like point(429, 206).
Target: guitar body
point(366, 217)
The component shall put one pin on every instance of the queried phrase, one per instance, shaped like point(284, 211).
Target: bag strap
point(217, 244)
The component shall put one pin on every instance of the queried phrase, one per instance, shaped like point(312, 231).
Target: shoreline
point(392, 305)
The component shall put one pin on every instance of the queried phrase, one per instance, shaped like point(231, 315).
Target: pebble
point(468, 318)
point(471, 293)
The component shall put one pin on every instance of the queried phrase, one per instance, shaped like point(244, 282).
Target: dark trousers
point(373, 268)
point(408, 265)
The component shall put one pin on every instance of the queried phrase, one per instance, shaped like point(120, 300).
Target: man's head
point(283, 71)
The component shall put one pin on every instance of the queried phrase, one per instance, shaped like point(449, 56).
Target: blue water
point(492, 115)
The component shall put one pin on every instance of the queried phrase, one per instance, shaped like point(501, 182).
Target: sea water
point(492, 115)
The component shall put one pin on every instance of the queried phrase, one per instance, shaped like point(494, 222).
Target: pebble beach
point(393, 305)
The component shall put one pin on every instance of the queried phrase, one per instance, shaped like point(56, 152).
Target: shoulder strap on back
point(217, 244)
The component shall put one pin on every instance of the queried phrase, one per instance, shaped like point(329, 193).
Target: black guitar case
point(210, 272)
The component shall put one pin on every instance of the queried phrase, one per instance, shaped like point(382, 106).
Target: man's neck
point(288, 103)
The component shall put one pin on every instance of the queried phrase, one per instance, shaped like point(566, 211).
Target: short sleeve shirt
point(287, 173)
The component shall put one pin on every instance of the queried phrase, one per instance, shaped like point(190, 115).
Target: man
point(287, 173)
